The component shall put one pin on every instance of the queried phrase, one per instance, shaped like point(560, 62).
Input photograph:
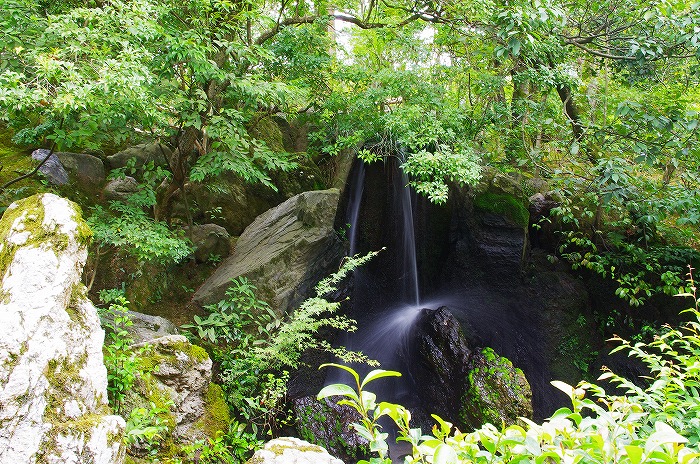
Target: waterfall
point(410, 264)
point(386, 313)
point(357, 188)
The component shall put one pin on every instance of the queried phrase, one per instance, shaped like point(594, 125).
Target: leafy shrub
point(120, 359)
point(254, 347)
point(145, 428)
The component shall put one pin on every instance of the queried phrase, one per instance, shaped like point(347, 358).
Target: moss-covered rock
point(284, 253)
point(503, 204)
point(497, 392)
point(328, 424)
point(175, 377)
point(53, 383)
point(288, 450)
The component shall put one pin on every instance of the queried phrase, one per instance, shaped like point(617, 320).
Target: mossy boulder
point(502, 204)
point(141, 155)
point(284, 252)
point(328, 424)
point(211, 242)
point(175, 376)
point(497, 392)
point(53, 382)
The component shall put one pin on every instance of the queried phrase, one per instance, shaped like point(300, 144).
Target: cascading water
point(410, 263)
point(356, 190)
point(386, 312)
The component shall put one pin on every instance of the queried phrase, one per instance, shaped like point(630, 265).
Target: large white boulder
point(53, 382)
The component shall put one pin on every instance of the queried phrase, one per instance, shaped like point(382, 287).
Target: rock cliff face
point(284, 252)
point(53, 383)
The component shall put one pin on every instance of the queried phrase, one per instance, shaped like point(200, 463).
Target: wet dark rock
point(497, 392)
point(327, 424)
point(464, 386)
point(442, 361)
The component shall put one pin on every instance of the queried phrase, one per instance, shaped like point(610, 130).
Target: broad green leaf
point(634, 453)
point(444, 454)
point(337, 389)
point(345, 368)
point(378, 374)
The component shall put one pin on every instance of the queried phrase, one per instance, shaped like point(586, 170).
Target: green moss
point(195, 352)
point(29, 212)
point(78, 294)
point(279, 449)
point(503, 204)
point(269, 132)
point(496, 392)
point(216, 416)
point(62, 376)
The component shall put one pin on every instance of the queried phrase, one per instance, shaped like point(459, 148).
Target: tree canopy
point(600, 98)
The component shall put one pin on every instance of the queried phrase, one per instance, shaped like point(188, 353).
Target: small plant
point(145, 428)
point(119, 358)
point(234, 446)
point(365, 403)
point(229, 319)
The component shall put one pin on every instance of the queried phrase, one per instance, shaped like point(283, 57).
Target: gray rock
point(210, 240)
point(329, 424)
point(143, 154)
point(541, 204)
point(52, 168)
point(284, 252)
point(144, 326)
point(88, 170)
point(182, 374)
point(53, 383)
point(120, 189)
point(233, 203)
point(289, 450)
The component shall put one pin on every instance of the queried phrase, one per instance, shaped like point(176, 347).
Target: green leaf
point(337, 389)
point(378, 374)
point(444, 454)
point(574, 148)
point(345, 368)
point(564, 387)
point(634, 453)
